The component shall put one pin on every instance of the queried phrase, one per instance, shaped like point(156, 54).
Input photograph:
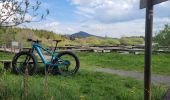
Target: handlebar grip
point(38, 41)
point(29, 40)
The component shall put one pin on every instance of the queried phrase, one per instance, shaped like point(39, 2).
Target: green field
point(87, 84)
point(161, 62)
point(91, 61)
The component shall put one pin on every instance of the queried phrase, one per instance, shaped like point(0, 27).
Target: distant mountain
point(82, 34)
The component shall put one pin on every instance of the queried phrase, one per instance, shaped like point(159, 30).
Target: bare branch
point(16, 12)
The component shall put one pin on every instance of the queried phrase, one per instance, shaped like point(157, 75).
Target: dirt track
point(156, 79)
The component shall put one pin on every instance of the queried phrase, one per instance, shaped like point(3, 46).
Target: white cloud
point(53, 24)
point(119, 29)
point(110, 11)
point(56, 27)
point(81, 2)
point(164, 4)
point(107, 10)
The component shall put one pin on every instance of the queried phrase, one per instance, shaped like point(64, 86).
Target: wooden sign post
point(148, 50)
point(148, 4)
point(143, 3)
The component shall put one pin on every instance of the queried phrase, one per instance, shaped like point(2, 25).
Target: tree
point(23, 35)
point(16, 12)
point(163, 36)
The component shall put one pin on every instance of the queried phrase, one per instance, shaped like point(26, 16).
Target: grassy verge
point(88, 85)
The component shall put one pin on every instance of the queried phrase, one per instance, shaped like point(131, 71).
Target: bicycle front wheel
point(22, 61)
point(68, 63)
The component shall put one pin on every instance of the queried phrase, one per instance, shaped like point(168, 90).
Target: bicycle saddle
point(57, 40)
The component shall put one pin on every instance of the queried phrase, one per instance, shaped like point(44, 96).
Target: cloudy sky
point(113, 18)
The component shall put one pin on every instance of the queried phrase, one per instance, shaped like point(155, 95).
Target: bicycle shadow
point(40, 71)
point(43, 71)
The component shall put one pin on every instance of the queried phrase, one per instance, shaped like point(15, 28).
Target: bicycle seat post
point(55, 48)
point(57, 41)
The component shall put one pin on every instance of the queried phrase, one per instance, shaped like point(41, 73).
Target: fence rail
point(104, 49)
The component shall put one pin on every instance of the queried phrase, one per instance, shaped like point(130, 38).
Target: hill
point(82, 34)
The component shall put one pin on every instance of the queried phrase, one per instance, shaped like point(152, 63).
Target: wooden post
point(148, 50)
point(5, 47)
point(11, 49)
point(14, 50)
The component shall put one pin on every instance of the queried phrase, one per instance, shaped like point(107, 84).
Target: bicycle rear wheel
point(68, 63)
point(22, 61)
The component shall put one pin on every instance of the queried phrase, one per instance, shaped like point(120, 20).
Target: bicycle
point(65, 63)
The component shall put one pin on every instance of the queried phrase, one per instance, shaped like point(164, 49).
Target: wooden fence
point(104, 49)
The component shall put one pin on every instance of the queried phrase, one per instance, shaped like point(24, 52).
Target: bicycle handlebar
point(31, 40)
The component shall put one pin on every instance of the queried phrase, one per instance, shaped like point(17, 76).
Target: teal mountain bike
point(65, 63)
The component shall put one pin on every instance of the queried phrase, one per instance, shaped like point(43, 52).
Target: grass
point(91, 61)
point(87, 84)
point(90, 85)
point(6, 56)
point(161, 62)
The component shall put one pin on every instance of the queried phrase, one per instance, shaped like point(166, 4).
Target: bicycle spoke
point(23, 62)
point(67, 64)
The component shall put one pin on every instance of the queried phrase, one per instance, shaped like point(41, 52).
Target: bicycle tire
point(75, 58)
point(16, 61)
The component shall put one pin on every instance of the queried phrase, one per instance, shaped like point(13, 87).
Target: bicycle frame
point(37, 47)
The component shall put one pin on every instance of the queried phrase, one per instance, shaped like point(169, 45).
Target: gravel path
point(156, 79)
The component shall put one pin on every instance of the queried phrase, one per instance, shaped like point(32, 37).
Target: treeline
point(22, 34)
point(163, 36)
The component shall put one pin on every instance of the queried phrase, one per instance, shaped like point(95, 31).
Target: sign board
point(15, 44)
point(143, 3)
